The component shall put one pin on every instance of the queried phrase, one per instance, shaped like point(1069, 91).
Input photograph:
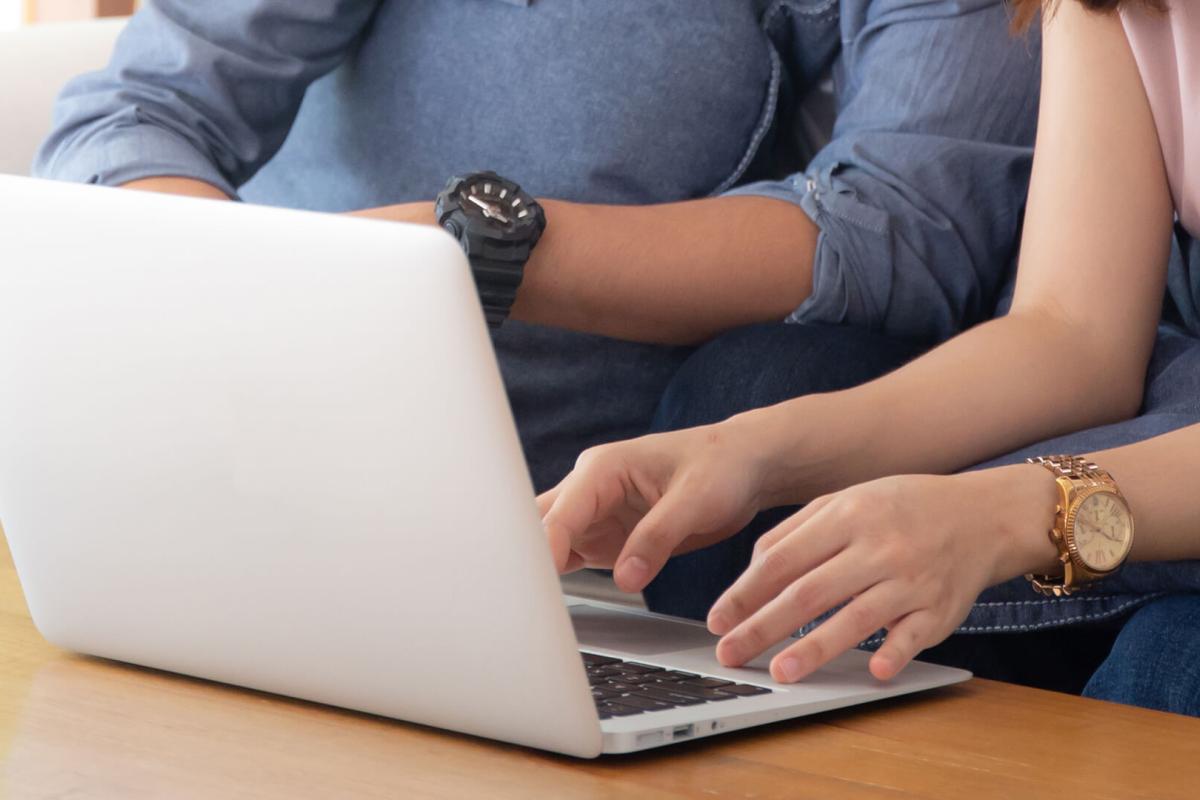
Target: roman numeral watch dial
point(1093, 526)
point(1103, 531)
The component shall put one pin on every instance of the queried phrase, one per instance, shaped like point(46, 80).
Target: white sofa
point(35, 63)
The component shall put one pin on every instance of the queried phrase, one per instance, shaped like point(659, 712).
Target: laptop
point(272, 449)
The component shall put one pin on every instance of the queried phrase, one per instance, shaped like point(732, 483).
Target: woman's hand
point(631, 505)
point(909, 554)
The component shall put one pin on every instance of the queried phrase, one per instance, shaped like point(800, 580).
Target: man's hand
point(632, 505)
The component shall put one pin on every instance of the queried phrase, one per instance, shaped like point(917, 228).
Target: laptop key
point(619, 709)
point(637, 687)
point(744, 690)
point(620, 686)
point(707, 683)
point(667, 696)
point(643, 702)
point(612, 669)
point(698, 691)
point(638, 680)
point(634, 666)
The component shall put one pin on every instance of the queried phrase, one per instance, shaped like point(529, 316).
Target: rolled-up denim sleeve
point(205, 90)
point(918, 196)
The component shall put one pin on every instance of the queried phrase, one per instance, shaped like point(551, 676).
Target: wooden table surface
point(74, 727)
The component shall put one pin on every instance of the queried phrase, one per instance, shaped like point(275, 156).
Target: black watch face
point(499, 204)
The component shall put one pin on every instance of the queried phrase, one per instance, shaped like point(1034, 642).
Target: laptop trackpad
point(630, 632)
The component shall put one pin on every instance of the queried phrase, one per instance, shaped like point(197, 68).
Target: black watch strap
point(498, 234)
point(497, 282)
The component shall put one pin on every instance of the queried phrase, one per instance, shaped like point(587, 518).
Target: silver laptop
point(272, 449)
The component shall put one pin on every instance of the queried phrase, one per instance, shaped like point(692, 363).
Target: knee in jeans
point(1155, 661)
point(761, 365)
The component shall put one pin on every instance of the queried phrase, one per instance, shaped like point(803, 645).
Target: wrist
point(547, 295)
point(1022, 501)
point(804, 447)
point(421, 213)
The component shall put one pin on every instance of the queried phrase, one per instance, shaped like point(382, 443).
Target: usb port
point(683, 731)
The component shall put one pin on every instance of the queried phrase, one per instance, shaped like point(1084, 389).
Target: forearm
point(987, 392)
point(186, 187)
point(1156, 477)
point(670, 273)
point(1072, 353)
point(675, 273)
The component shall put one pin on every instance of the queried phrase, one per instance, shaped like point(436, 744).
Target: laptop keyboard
point(624, 688)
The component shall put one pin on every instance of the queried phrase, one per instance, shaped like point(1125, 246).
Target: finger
point(559, 540)
point(546, 499)
point(797, 605)
point(652, 541)
point(845, 630)
point(908, 637)
point(816, 541)
point(586, 496)
point(773, 536)
point(575, 562)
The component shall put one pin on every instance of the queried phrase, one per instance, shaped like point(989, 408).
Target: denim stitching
point(827, 9)
point(878, 638)
point(1047, 601)
point(1054, 623)
point(844, 207)
point(764, 123)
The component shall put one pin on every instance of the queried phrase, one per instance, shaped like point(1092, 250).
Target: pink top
point(1167, 49)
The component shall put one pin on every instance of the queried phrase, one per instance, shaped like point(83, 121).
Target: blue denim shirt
point(341, 104)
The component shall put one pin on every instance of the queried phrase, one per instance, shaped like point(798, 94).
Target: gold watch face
point(1103, 531)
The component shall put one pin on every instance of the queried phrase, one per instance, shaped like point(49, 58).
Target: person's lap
point(1009, 637)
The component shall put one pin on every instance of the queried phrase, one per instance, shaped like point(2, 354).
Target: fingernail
point(882, 667)
point(634, 572)
point(717, 623)
point(789, 670)
point(727, 653)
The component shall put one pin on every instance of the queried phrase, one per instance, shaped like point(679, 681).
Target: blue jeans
point(1091, 643)
point(570, 391)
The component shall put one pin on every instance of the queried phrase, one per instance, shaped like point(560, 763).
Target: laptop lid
point(272, 448)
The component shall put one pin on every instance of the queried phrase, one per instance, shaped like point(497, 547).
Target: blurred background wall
point(16, 12)
point(10, 14)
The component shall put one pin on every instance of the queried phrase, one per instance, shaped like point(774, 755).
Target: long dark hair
point(1025, 10)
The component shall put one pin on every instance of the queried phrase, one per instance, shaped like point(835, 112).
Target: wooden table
point(73, 727)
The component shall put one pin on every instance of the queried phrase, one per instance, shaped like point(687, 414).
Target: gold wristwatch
point(1093, 526)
